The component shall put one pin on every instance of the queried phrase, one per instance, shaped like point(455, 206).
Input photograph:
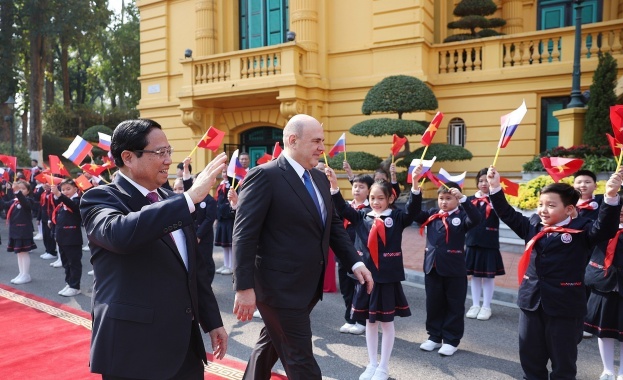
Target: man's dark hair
point(130, 135)
point(35, 161)
point(181, 167)
point(244, 154)
point(585, 172)
point(366, 179)
point(568, 195)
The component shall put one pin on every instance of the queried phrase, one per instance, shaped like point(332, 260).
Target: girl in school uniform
point(604, 277)
point(67, 221)
point(551, 295)
point(225, 215)
point(379, 240)
point(19, 217)
point(482, 253)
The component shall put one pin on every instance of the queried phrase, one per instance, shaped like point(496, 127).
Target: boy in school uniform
point(585, 182)
point(46, 201)
point(445, 277)
point(551, 296)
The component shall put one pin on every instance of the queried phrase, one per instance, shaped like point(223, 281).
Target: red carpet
point(43, 340)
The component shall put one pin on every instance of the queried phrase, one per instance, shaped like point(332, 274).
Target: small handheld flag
point(426, 165)
point(56, 166)
point(93, 169)
point(509, 124)
point(78, 150)
point(9, 161)
point(264, 159)
point(83, 183)
point(509, 187)
point(48, 178)
point(340, 146)
point(277, 150)
point(616, 119)
point(445, 177)
point(104, 142)
point(397, 144)
point(560, 167)
point(428, 135)
point(211, 140)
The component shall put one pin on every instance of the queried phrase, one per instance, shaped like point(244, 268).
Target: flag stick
point(326, 162)
point(393, 158)
point(233, 181)
point(499, 146)
point(238, 184)
point(496, 156)
point(423, 180)
point(345, 154)
point(619, 161)
point(424, 153)
point(192, 151)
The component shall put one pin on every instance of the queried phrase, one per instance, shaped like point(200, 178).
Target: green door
point(263, 22)
point(561, 13)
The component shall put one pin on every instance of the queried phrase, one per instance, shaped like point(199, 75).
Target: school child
point(178, 186)
point(585, 182)
point(445, 274)
point(482, 252)
point(378, 238)
point(382, 174)
point(605, 304)
point(36, 192)
point(360, 190)
point(67, 221)
point(551, 296)
point(19, 218)
point(224, 225)
point(45, 213)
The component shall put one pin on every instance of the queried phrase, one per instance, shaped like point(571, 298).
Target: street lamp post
point(576, 94)
point(10, 102)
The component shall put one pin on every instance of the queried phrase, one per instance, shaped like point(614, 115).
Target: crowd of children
point(569, 272)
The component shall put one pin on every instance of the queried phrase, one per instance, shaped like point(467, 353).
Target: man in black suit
point(284, 226)
point(150, 293)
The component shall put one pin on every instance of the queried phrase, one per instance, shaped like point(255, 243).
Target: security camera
point(290, 35)
point(188, 53)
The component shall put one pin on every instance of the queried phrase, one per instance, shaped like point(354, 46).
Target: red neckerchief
point(443, 216)
point(610, 249)
point(525, 258)
point(585, 205)
point(377, 230)
point(56, 211)
point(346, 221)
point(47, 201)
point(8, 214)
point(486, 201)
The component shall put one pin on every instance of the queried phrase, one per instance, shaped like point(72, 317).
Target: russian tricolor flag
point(104, 141)
point(78, 150)
point(510, 122)
point(445, 177)
point(235, 169)
point(426, 165)
point(340, 146)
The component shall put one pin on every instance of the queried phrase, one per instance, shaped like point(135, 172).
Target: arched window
point(456, 132)
point(263, 23)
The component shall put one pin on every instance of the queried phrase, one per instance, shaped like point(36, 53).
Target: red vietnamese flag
point(5, 174)
point(615, 145)
point(616, 119)
point(428, 135)
point(10, 162)
point(509, 187)
point(83, 183)
point(108, 162)
point(93, 169)
point(264, 159)
point(212, 139)
point(48, 178)
point(276, 150)
point(27, 174)
point(397, 144)
point(560, 167)
point(56, 166)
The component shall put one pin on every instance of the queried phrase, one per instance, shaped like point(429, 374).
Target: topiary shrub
point(356, 160)
point(399, 94)
point(472, 17)
point(379, 127)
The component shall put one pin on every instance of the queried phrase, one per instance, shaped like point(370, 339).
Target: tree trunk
point(65, 74)
point(49, 79)
point(37, 72)
point(24, 119)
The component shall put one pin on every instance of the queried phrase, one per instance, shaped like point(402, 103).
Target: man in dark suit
point(285, 223)
point(150, 293)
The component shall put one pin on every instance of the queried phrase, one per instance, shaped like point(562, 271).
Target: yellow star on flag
point(561, 168)
point(61, 166)
point(503, 185)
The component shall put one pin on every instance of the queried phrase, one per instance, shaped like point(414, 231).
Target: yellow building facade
point(344, 47)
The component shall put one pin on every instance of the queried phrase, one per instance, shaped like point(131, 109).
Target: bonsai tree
point(472, 16)
point(602, 96)
point(398, 94)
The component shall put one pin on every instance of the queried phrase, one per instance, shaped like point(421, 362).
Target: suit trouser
point(542, 338)
point(192, 367)
point(71, 257)
point(48, 239)
point(295, 351)
point(445, 307)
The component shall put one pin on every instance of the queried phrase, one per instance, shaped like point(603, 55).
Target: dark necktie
point(522, 267)
point(312, 192)
point(153, 197)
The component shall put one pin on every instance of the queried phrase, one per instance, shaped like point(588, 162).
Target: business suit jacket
point(280, 241)
point(555, 275)
point(144, 299)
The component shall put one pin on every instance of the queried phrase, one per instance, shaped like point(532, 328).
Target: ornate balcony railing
point(526, 49)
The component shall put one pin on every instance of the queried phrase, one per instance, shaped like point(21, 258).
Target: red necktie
point(346, 221)
point(611, 248)
point(522, 267)
point(476, 201)
point(443, 216)
point(56, 211)
point(377, 230)
point(585, 205)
